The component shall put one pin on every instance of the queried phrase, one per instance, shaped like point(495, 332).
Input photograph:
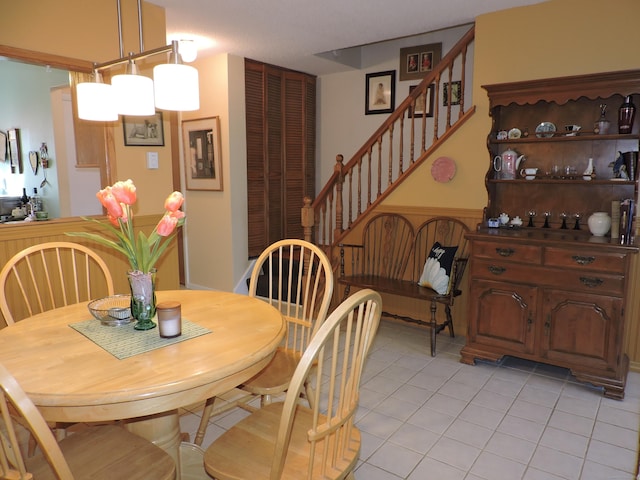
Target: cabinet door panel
point(581, 329)
point(503, 316)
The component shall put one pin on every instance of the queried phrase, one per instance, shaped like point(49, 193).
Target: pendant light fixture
point(95, 100)
point(133, 92)
point(176, 85)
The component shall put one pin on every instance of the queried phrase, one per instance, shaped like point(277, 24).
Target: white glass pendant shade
point(133, 94)
point(188, 51)
point(176, 87)
point(96, 102)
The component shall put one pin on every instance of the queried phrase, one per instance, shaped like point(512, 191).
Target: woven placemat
point(124, 341)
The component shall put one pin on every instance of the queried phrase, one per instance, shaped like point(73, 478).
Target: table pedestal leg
point(163, 430)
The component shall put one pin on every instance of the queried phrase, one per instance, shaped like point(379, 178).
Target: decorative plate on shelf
point(545, 129)
point(443, 169)
point(515, 133)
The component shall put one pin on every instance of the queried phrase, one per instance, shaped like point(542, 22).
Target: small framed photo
point(455, 93)
point(3, 146)
point(142, 131)
point(202, 155)
point(424, 103)
point(15, 150)
point(380, 92)
point(418, 61)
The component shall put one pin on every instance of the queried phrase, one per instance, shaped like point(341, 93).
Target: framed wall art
point(424, 103)
point(455, 93)
point(202, 153)
point(15, 154)
point(416, 62)
point(143, 131)
point(3, 146)
point(380, 92)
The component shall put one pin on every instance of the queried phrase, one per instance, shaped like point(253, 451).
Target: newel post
point(307, 219)
point(338, 168)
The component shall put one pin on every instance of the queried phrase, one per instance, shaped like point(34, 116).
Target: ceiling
point(291, 33)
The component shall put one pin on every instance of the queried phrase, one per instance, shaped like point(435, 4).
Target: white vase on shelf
point(588, 173)
point(599, 223)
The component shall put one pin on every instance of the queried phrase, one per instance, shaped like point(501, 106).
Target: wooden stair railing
point(396, 148)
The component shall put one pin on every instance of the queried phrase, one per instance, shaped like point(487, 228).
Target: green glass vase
point(143, 298)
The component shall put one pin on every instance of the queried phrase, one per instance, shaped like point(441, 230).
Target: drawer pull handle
point(583, 260)
point(505, 252)
point(591, 282)
point(497, 270)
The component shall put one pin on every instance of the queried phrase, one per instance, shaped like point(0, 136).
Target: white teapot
point(508, 164)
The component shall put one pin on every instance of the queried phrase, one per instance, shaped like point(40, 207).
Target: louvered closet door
point(280, 151)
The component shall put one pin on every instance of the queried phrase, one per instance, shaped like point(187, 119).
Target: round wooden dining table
point(72, 379)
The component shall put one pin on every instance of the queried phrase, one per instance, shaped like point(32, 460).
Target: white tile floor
point(436, 418)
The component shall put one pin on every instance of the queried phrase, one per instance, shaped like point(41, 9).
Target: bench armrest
point(459, 266)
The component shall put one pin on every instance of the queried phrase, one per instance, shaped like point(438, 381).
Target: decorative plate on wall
point(443, 169)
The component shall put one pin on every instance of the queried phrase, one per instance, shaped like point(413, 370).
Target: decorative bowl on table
point(112, 311)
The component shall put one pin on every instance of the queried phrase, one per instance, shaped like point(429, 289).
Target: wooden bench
point(389, 247)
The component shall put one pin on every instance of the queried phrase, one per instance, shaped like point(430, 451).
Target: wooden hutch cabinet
point(551, 292)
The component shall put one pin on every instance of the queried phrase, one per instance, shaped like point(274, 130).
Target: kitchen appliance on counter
point(7, 205)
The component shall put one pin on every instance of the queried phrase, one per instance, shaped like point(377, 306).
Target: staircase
point(399, 146)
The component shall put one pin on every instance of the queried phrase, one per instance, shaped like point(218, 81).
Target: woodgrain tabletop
point(72, 379)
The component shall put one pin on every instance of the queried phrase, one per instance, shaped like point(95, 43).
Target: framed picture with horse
point(143, 131)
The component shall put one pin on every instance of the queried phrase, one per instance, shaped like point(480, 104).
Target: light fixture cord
point(119, 8)
point(120, 28)
point(140, 25)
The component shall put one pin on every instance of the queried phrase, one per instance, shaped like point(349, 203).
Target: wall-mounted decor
point(14, 150)
point(380, 96)
point(142, 131)
point(424, 103)
point(416, 62)
point(3, 147)
point(202, 156)
point(443, 169)
point(455, 93)
point(34, 161)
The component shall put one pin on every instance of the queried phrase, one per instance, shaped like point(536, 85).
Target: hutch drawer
point(508, 251)
point(610, 262)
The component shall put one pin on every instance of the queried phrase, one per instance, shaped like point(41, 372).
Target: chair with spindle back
point(50, 275)
point(290, 441)
point(295, 277)
point(98, 452)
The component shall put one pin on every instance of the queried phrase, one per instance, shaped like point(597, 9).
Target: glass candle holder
point(169, 319)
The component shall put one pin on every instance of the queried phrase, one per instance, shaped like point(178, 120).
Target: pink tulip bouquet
point(142, 252)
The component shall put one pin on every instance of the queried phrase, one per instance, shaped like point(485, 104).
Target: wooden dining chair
point(50, 275)
point(295, 277)
point(98, 452)
point(288, 440)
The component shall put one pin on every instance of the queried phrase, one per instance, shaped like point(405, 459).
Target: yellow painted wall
point(88, 30)
point(550, 39)
point(208, 238)
point(216, 233)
